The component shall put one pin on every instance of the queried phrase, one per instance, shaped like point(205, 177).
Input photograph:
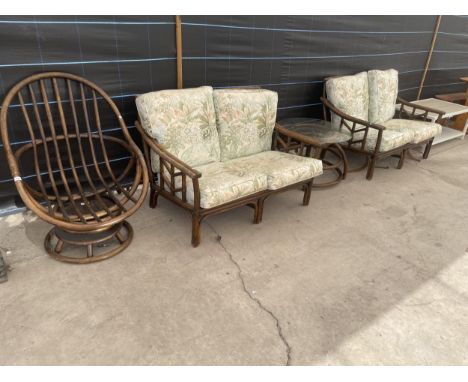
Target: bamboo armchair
point(375, 132)
point(359, 130)
point(74, 185)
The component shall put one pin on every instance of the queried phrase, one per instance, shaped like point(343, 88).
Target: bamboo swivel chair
point(64, 173)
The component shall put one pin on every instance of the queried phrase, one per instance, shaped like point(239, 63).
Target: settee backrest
point(184, 122)
point(245, 119)
point(370, 96)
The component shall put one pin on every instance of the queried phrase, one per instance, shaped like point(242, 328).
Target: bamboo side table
point(319, 135)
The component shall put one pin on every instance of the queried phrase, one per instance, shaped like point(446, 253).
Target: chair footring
point(117, 238)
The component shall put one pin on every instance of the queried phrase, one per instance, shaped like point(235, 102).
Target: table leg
point(342, 160)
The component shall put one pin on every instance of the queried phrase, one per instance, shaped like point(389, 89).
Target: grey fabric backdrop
point(288, 54)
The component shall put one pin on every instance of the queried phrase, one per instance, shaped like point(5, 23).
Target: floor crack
point(253, 298)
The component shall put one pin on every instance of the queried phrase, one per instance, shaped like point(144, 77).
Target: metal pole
point(429, 56)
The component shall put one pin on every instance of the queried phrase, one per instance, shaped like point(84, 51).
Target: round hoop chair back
point(59, 135)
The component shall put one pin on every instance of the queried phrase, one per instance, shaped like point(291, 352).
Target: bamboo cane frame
point(82, 216)
point(372, 156)
point(160, 187)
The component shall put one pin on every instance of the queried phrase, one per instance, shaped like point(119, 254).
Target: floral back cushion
point(350, 94)
point(183, 121)
point(383, 92)
point(246, 119)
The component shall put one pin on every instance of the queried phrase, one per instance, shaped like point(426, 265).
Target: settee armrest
point(170, 169)
point(166, 155)
point(414, 108)
point(355, 125)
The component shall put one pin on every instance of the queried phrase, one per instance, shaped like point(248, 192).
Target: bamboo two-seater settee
point(210, 151)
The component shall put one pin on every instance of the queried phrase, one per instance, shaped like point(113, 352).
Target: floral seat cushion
point(183, 121)
point(421, 130)
point(383, 92)
point(222, 182)
point(246, 119)
point(391, 139)
point(281, 169)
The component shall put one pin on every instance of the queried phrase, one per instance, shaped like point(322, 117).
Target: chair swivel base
point(117, 237)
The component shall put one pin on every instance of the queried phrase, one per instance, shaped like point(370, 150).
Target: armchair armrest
point(426, 110)
point(174, 168)
point(346, 119)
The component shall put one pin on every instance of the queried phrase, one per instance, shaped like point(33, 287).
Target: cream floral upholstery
point(421, 130)
point(222, 182)
point(246, 119)
point(372, 97)
point(391, 139)
point(226, 135)
point(350, 94)
point(281, 169)
point(383, 92)
point(183, 121)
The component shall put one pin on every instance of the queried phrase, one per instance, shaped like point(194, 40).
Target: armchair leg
point(427, 149)
point(307, 192)
point(153, 202)
point(345, 160)
point(370, 168)
point(402, 159)
point(195, 230)
point(259, 211)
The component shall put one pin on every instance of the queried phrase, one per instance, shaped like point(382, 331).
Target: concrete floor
point(370, 273)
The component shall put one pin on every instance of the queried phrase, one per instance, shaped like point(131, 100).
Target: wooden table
point(450, 110)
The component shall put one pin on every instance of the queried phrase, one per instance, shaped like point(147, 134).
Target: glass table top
point(318, 129)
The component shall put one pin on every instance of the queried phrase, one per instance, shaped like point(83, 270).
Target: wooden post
point(179, 52)
point(429, 56)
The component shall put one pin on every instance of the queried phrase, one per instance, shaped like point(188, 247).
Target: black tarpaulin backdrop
point(289, 54)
